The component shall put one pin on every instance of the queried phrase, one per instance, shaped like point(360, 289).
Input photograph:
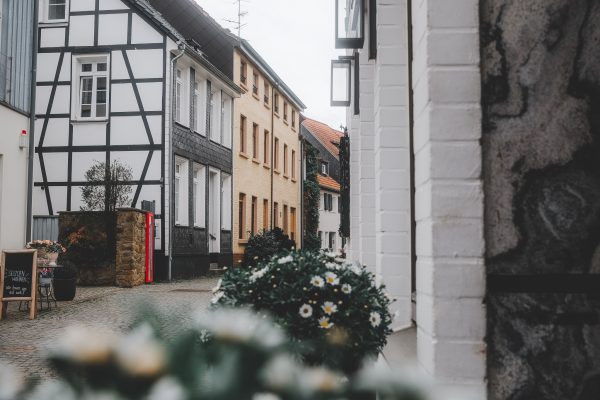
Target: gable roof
point(329, 137)
point(153, 14)
point(327, 182)
point(216, 42)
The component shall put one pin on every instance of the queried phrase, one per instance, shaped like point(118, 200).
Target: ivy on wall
point(345, 185)
point(312, 196)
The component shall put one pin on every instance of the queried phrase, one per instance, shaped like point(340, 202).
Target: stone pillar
point(541, 142)
point(131, 248)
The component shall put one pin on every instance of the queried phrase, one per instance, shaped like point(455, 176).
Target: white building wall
point(13, 180)
point(449, 197)
point(450, 315)
point(329, 221)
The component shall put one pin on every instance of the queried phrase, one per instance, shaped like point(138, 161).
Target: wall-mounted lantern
point(349, 24)
point(341, 72)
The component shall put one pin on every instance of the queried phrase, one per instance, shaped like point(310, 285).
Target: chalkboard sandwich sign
point(18, 279)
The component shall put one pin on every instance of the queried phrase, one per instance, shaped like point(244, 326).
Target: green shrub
point(264, 245)
point(332, 309)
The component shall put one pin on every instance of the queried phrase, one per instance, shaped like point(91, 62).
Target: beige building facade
point(266, 152)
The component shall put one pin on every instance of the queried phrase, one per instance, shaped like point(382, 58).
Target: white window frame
point(324, 168)
point(179, 95)
point(78, 74)
point(200, 106)
point(45, 12)
point(215, 114)
point(199, 195)
point(226, 201)
point(181, 192)
point(227, 120)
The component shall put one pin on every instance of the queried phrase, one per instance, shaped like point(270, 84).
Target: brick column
point(367, 162)
point(449, 201)
point(392, 158)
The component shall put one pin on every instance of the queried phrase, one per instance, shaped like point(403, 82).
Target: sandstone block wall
point(130, 260)
point(101, 259)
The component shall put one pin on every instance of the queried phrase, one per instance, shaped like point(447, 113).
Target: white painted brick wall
point(449, 198)
point(449, 195)
point(392, 158)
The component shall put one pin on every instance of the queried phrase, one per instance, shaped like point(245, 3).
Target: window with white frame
point(324, 168)
point(195, 97)
point(209, 106)
point(199, 195)
point(227, 115)
point(226, 202)
point(216, 114)
point(178, 95)
point(90, 87)
point(55, 10)
point(181, 191)
point(199, 107)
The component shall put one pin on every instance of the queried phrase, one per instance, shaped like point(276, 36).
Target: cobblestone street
point(22, 341)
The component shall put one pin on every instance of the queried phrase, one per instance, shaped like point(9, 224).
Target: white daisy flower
point(356, 269)
point(324, 323)
point(285, 260)
point(141, 354)
point(331, 265)
point(331, 278)
point(317, 281)
point(375, 319)
point(346, 288)
point(258, 274)
point(306, 311)
point(329, 308)
point(217, 297)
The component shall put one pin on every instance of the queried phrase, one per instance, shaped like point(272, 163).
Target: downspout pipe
point(170, 158)
point(31, 149)
point(273, 152)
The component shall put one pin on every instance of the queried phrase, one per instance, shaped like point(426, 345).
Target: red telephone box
point(149, 247)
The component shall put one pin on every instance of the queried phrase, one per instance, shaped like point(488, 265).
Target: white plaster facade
point(329, 222)
point(13, 179)
point(443, 233)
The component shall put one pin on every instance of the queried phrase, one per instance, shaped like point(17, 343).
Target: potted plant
point(45, 276)
point(65, 283)
point(332, 309)
point(48, 248)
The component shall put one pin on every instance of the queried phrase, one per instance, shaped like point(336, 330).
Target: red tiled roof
point(328, 136)
point(328, 182)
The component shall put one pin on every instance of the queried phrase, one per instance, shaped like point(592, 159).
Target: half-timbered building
point(115, 81)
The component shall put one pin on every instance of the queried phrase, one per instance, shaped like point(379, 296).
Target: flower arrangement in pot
point(65, 283)
point(49, 249)
point(331, 308)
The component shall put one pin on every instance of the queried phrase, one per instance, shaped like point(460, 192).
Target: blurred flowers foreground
point(228, 354)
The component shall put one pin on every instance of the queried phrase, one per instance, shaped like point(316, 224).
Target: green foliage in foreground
point(331, 308)
point(224, 355)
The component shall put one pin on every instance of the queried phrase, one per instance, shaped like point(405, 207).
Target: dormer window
point(324, 168)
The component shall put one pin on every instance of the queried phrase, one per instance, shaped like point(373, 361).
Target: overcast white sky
point(296, 37)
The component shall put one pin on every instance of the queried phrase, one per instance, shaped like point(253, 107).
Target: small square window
point(56, 10)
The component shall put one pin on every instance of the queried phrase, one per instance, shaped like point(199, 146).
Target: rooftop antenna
point(241, 14)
